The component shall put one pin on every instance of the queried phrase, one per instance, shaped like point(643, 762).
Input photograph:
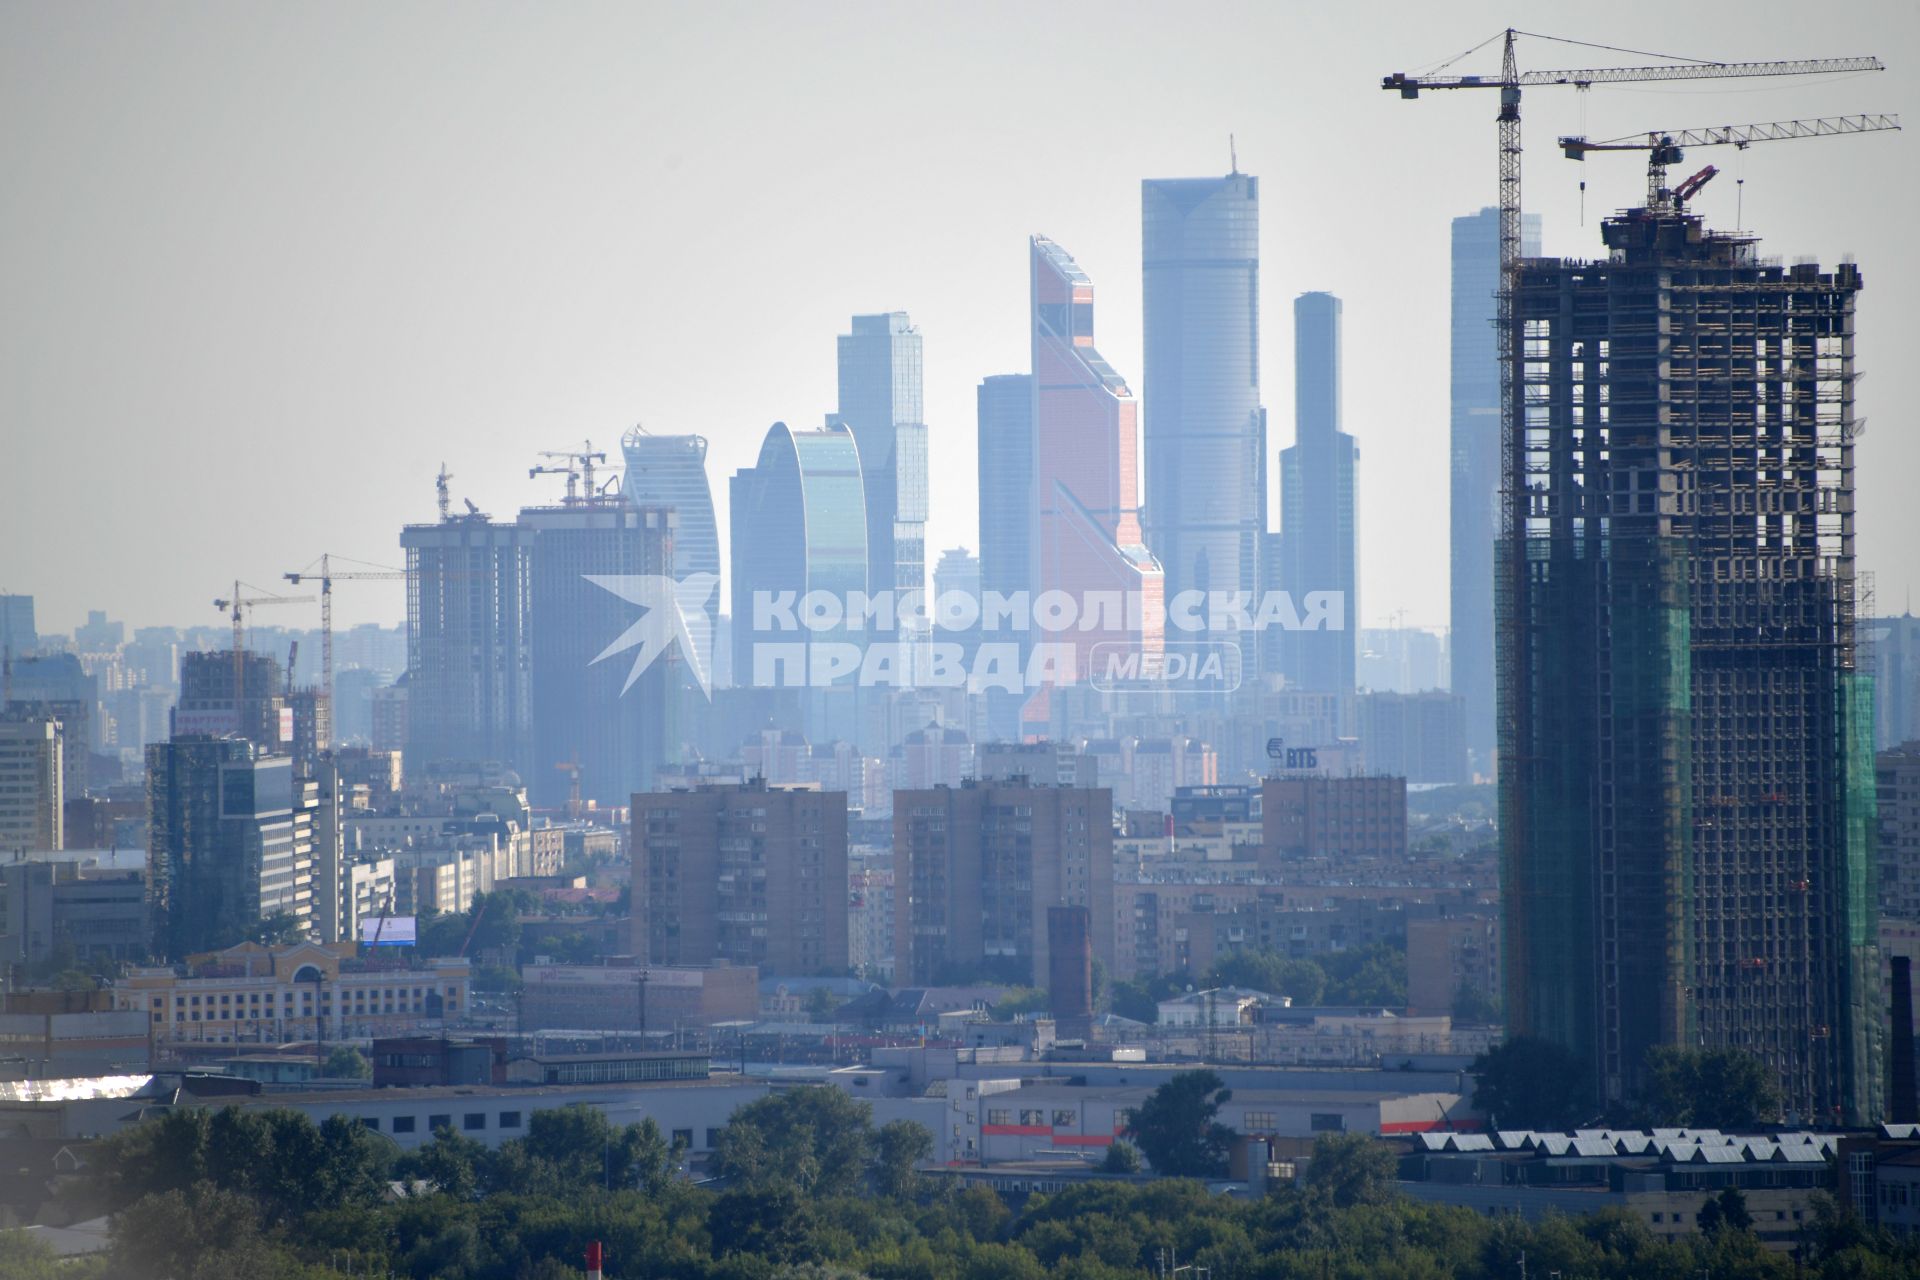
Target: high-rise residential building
point(880, 401)
point(1320, 509)
point(1421, 737)
point(1896, 774)
point(1474, 469)
point(1005, 438)
point(1042, 763)
point(1686, 764)
point(1311, 816)
point(1087, 541)
point(977, 866)
point(1205, 514)
point(470, 643)
point(32, 785)
point(18, 638)
point(56, 687)
point(594, 719)
point(799, 524)
point(229, 843)
point(742, 874)
point(209, 684)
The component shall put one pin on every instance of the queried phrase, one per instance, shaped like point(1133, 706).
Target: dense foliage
point(1528, 1083)
point(1175, 1128)
point(205, 1196)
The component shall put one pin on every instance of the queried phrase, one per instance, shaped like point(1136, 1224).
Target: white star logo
point(675, 611)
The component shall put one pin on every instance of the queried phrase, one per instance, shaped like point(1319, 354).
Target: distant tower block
point(1070, 970)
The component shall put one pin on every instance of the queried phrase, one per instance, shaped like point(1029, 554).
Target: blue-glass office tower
point(1005, 404)
point(880, 401)
point(1319, 507)
point(1205, 432)
point(1474, 480)
point(671, 472)
point(799, 524)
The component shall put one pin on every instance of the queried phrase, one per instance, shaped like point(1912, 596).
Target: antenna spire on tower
point(1233, 158)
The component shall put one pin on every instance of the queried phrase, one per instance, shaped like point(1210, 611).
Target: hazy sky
point(264, 266)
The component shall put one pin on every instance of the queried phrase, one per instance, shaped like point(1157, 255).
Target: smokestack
point(1902, 1106)
point(593, 1260)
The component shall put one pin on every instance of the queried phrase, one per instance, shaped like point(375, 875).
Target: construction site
point(1685, 730)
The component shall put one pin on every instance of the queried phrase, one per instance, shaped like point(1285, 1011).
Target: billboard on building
point(388, 931)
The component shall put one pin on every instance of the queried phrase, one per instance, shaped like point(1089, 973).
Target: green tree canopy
point(898, 1148)
point(814, 1137)
point(1351, 1169)
point(1707, 1089)
point(1529, 1083)
point(344, 1062)
point(1176, 1128)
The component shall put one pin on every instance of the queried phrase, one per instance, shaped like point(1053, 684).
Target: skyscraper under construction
point(1685, 753)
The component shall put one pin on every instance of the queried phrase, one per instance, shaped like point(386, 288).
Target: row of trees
point(815, 1192)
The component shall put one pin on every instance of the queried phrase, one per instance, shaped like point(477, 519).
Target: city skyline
point(555, 345)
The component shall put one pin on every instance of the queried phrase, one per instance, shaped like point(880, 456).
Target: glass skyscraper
point(1006, 482)
point(1205, 432)
point(1086, 475)
point(799, 524)
point(1319, 505)
point(1474, 468)
point(880, 402)
point(671, 472)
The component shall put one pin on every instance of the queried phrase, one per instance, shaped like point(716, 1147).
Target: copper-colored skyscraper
point(1086, 470)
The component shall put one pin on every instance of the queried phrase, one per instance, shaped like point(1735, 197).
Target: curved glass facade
point(799, 524)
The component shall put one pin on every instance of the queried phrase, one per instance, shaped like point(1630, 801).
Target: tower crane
point(578, 470)
point(1510, 82)
point(1664, 148)
point(236, 606)
point(328, 575)
point(1508, 123)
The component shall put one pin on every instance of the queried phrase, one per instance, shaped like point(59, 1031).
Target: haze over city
point(273, 265)
point(855, 641)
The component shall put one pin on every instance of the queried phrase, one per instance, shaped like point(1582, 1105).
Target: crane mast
point(1510, 82)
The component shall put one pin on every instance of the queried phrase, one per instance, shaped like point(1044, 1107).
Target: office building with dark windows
point(469, 643)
